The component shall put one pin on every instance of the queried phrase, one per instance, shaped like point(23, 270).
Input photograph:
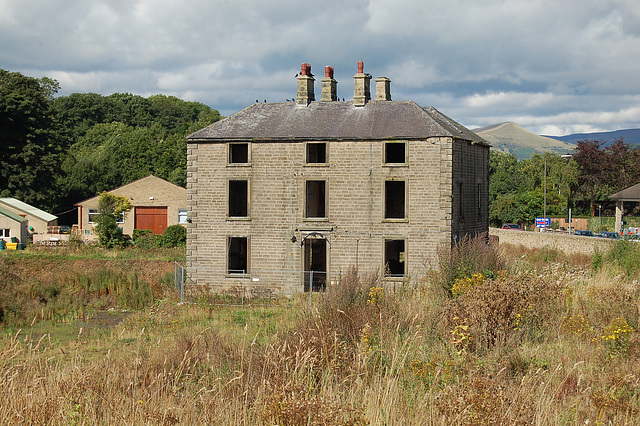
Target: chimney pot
point(329, 86)
point(361, 93)
point(305, 85)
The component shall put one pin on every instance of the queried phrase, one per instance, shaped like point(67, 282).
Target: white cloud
point(547, 65)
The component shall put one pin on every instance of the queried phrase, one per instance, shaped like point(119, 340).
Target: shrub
point(472, 255)
point(145, 239)
point(494, 310)
point(174, 236)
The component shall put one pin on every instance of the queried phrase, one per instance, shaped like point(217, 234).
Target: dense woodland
point(57, 151)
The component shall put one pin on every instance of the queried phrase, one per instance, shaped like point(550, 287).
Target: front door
point(315, 264)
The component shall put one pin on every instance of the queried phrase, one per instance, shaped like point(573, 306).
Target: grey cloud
point(552, 65)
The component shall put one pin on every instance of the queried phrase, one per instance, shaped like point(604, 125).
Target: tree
point(29, 146)
point(111, 207)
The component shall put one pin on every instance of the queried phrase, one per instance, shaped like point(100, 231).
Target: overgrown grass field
point(492, 336)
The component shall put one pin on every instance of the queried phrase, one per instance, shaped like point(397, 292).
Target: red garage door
point(153, 218)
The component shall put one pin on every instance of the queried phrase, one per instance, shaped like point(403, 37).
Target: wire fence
point(248, 288)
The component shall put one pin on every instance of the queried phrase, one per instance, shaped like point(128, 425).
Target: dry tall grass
point(536, 345)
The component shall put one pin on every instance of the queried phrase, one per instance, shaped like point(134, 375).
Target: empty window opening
point(394, 195)
point(237, 255)
point(238, 198)
point(239, 153)
point(316, 152)
point(315, 199)
point(315, 264)
point(394, 152)
point(394, 258)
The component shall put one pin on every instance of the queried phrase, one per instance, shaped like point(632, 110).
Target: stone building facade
point(288, 196)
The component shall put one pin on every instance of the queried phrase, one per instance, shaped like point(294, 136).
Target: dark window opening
point(239, 153)
point(394, 152)
point(315, 207)
point(394, 258)
point(394, 199)
point(316, 152)
point(237, 255)
point(238, 198)
point(315, 264)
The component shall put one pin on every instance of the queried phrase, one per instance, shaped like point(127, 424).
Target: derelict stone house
point(280, 190)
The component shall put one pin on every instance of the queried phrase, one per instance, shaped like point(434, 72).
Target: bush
point(472, 255)
point(174, 236)
point(145, 239)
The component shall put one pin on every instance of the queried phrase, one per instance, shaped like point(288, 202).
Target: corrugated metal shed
point(28, 209)
point(12, 215)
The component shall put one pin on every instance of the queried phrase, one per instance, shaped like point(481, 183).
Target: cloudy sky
point(552, 66)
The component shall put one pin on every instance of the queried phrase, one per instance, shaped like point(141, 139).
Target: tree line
point(57, 151)
point(581, 181)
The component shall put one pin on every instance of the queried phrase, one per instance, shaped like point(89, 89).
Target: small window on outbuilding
point(394, 199)
point(5, 233)
point(394, 258)
point(316, 153)
point(238, 198)
point(182, 216)
point(239, 153)
point(93, 214)
point(395, 153)
point(315, 199)
point(237, 255)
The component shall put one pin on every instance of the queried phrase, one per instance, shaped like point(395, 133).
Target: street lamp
point(568, 157)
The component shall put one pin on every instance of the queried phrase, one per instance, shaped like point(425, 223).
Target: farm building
point(156, 202)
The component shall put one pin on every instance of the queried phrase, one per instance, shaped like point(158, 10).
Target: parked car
point(584, 233)
point(608, 234)
point(65, 229)
point(513, 226)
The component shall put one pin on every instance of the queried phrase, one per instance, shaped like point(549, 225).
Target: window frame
point(5, 232)
point(248, 199)
point(385, 201)
point(324, 163)
point(237, 272)
point(306, 201)
point(230, 147)
point(182, 216)
point(402, 258)
point(404, 163)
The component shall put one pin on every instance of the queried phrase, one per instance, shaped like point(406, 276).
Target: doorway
point(315, 264)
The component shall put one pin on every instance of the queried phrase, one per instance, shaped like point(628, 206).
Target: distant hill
point(630, 136)
point(509, 137)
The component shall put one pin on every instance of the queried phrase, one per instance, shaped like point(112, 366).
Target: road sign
point(543, 222)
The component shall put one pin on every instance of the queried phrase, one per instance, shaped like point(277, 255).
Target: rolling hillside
point(630, 136)
point(509, 137)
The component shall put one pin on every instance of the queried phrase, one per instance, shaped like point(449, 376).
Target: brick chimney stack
point(305, 85)
point(383, 91)
point(361, 93)
point(329, 86)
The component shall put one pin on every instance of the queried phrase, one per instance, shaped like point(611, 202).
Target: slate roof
point(377, 120)
point(630, 194)
point(28, 209)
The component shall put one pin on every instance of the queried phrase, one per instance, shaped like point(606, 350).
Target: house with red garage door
point(156, 202)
